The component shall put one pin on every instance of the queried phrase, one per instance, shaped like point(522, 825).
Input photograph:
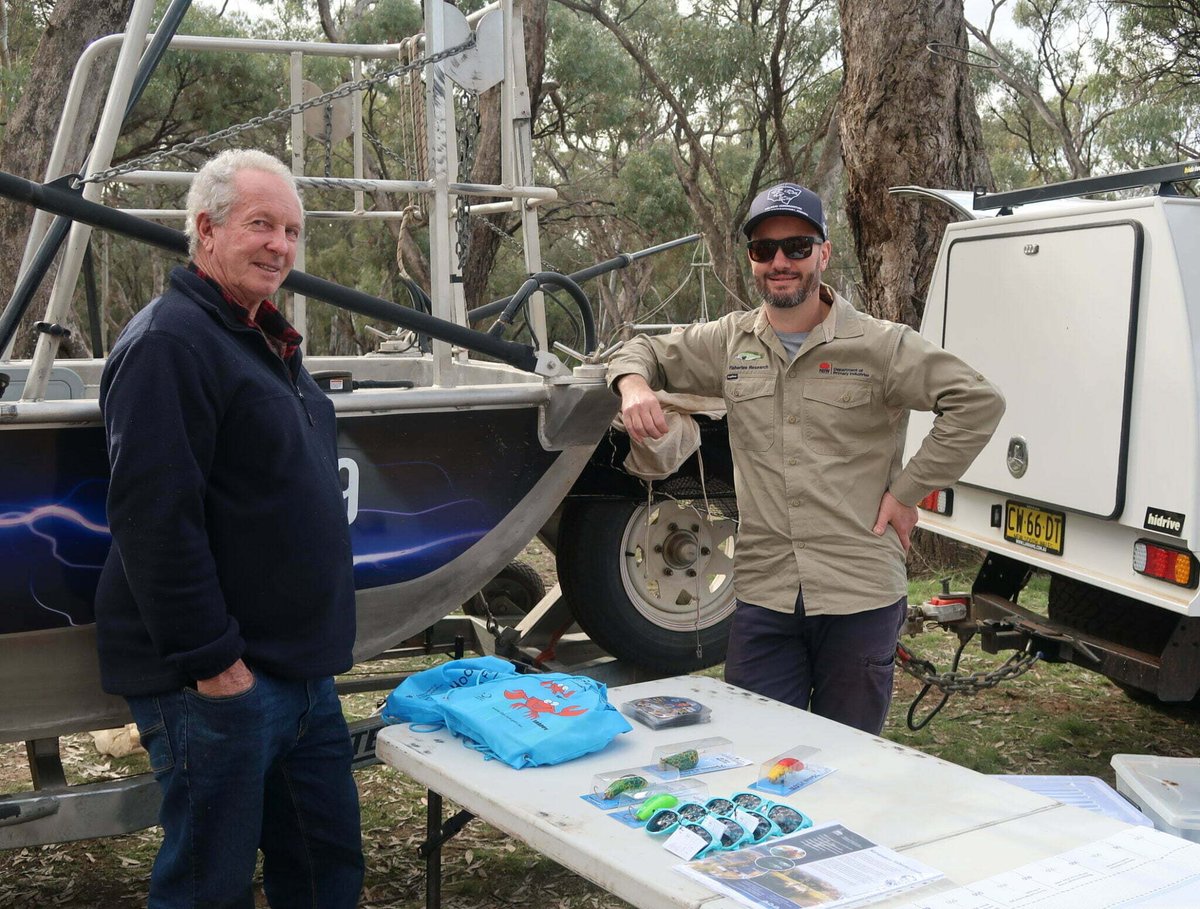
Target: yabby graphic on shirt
point(534, 719)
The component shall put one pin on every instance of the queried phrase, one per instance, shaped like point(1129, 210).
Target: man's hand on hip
point(902, 517)
point(642, 414)
point(234, 680)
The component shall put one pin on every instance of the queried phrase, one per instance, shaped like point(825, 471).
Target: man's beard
point(791, 300)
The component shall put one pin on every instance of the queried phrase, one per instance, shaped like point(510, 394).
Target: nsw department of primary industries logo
point(825, 368)
point(748, 355)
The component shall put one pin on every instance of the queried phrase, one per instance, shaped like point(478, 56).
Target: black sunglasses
point(793, 248)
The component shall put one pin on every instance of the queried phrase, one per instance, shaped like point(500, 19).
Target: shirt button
point(795, 503)
point(791, 418)
point(737, 392)
point(799, 544)
point(791, 462)
point(846, 397)
point(979, 376)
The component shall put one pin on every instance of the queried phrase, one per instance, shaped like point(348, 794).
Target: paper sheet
point(827, 866)
point(1138, 868)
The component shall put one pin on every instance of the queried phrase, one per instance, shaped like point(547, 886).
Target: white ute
point(1086, 314)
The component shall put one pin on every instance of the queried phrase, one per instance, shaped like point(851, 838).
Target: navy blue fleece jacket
point(229, 527)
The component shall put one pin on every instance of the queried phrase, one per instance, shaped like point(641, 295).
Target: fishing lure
point(655, 803)
point(627, 783)
point(783, 767)
point(684, 760)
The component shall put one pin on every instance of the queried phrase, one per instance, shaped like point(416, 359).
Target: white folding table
point(965, 824)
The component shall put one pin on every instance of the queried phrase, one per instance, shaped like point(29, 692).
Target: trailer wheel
point(651, 584)
point(514, 591)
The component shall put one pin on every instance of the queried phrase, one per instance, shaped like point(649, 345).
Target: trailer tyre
point(650, 584)
point(514, 591)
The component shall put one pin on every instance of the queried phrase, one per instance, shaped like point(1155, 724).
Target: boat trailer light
point(1176, 566)
point(940, 501)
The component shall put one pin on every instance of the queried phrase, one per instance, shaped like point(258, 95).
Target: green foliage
point(1109, 100)
point(390, 20)
point(1162, 37)
point(752, 90)
point(26, 23)
point(599, 98)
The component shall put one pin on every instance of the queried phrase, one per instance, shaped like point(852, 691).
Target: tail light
point(940, 501)
point(1176, 566)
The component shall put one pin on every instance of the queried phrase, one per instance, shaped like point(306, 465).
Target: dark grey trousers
point(839, 666)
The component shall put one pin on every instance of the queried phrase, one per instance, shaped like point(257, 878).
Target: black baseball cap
point(786, 199)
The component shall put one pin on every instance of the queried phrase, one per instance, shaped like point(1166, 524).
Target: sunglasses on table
point(793, 248)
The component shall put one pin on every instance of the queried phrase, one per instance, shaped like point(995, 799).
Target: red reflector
point(940, 501)
point(1177, 566)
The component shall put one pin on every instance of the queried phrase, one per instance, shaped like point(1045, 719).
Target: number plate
point(1036, 528)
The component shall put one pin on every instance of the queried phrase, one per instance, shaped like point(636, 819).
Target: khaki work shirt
point(817, 440)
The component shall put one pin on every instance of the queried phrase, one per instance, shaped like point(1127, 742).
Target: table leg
point(436, 834)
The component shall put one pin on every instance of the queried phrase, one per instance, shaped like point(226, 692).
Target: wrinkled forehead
point(267, 192)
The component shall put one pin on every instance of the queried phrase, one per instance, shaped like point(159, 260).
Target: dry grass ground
point(1054, 720)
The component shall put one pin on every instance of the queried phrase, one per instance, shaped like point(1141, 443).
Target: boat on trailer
point(450, 463)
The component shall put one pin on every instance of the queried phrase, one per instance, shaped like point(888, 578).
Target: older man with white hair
point(226, 604)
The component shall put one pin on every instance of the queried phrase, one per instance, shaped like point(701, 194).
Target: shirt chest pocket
point(838, 417)
point(751, 406)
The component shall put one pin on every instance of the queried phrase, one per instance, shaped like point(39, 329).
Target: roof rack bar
point(1163, 175)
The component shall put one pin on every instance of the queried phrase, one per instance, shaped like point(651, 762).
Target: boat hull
point(438, 501)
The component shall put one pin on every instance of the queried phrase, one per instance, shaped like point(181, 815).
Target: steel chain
point(327, 139)
point(276, 115)
point(468, 133)
point(382, 148)
point(955, 682)
point(514, 243)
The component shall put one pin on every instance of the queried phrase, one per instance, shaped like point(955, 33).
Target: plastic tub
point(1167, 790)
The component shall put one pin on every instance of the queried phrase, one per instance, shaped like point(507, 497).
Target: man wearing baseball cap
point(818, 396)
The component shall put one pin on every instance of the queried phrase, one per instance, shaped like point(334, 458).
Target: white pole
point(111, 119)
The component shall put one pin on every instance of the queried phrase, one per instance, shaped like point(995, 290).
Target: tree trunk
point(908, 117)
point(28, 138)
point(483, 242)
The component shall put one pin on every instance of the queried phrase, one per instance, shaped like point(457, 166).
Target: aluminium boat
point(450, 462)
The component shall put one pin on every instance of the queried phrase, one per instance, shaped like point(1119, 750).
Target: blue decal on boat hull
point(421, 489)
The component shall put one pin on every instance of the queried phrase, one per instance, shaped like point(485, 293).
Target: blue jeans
point(840, 666)
point(265, 769)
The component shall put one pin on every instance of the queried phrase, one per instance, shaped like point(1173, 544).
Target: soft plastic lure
point(655, 803)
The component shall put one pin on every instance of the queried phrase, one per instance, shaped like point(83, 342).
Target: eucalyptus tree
point(740, 93)
point(40, 38)
point(1087, 89)
point(908, 117)
point(1163, 37)
point(604, 144)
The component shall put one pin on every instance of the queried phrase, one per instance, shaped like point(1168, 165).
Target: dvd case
point(665, 711)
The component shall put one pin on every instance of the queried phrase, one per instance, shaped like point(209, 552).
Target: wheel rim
point(677, 565)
